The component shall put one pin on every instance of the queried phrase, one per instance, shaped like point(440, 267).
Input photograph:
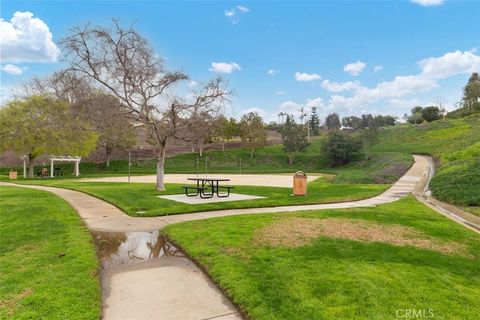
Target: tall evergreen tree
point(314, 122)
point(471, 93)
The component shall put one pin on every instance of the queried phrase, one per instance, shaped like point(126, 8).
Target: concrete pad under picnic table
point(197, 200)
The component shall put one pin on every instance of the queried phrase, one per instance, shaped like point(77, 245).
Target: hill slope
point(455, 145)
point(439, 139)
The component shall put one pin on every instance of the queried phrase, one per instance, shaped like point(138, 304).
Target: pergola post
point(51, 168)
point(24, 166)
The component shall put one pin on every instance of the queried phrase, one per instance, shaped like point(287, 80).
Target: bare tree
point(441, 103)
point(62, 85)
point(123, 62)
point(202, 130)
point(107, 116)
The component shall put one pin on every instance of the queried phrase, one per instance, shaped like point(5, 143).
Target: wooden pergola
point(76, 168)
point(76, 160)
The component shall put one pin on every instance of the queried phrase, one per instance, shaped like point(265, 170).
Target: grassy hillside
point(440, 138)
point(455, 143)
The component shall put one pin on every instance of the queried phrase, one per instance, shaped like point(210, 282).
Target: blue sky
point(349, 57)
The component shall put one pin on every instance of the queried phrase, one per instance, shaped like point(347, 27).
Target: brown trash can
point(12, 175)
point(300, 184)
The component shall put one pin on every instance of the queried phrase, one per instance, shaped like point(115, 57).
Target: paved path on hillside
point(261, 180)
point(174, 288)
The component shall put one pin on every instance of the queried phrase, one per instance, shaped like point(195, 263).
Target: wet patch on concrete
point(116, 248)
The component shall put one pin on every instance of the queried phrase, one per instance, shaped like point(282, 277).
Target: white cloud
point(272, 72)
point(450, 64)
point(243, 9)
point(377, 69)
point(293, 108)
point(261, 112)
point(289, 107)
point(234, 14)
point(257, 110)
point(280, 93)
point(354, 68)
point(433, 69)
point(428, 3)
point(224, 67)
point(315, 102)
point(403, 103)
point(26, 39)
point(230, 13)
point(302, 76)
point(340, 86)
point(13, 69)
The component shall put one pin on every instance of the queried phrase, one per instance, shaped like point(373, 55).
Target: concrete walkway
point(102, 216)
point(173, 287)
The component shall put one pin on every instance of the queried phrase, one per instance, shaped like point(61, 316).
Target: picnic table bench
point(207, 188)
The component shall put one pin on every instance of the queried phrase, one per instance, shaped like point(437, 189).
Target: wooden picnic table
point(207, 188)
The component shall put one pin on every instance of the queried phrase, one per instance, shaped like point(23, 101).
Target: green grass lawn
point(140, 199)
point(323, 265)
point(49, 268)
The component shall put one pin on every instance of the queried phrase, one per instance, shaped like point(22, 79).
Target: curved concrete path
point(172, 287)
point(102, 216)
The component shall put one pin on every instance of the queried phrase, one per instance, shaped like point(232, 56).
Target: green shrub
point(341, 148)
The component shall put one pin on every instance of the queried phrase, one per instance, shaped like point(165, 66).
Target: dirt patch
point(11, 304)
point(297, 232)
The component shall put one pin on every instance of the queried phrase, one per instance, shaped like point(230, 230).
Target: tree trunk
point(251, 153)
point(31, 166)
point(290, 159)
point(160, 169)
point(200, 150)
point(223, 145)
point(107, 157)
